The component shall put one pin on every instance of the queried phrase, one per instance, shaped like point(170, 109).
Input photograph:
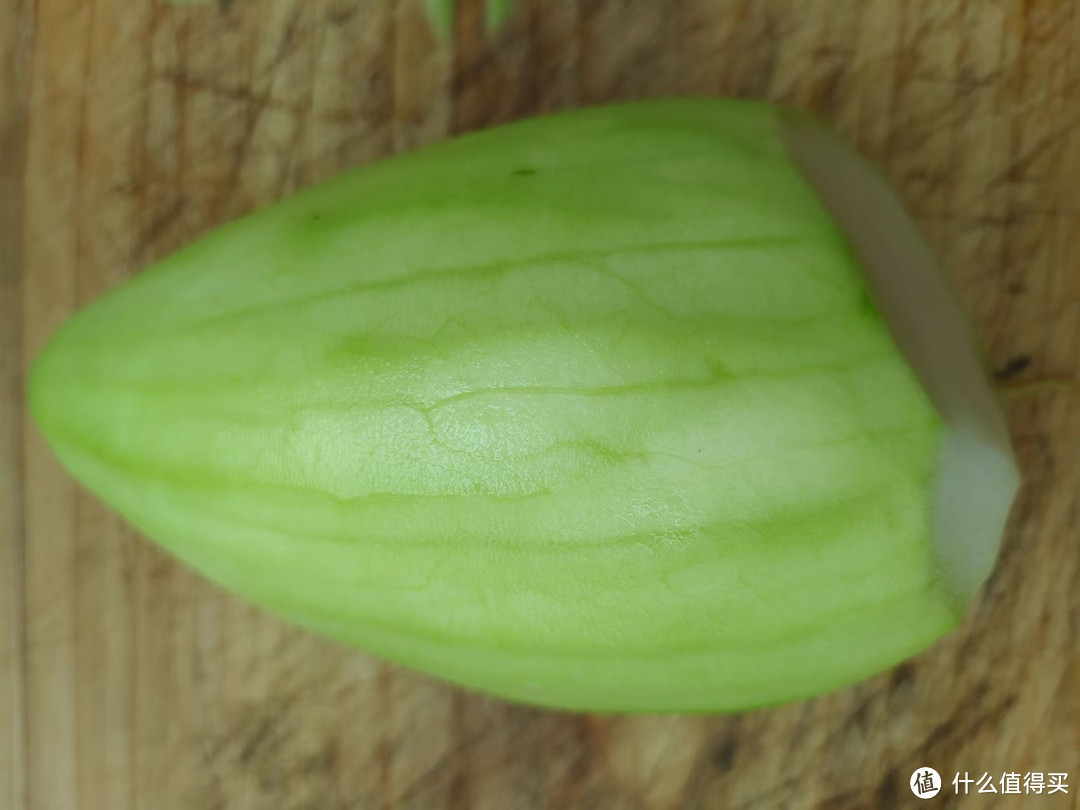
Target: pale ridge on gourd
point(592, 411)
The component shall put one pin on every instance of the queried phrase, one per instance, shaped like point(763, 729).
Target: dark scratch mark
point(967, 83)
point(902, 676)
point(1013, 366)
point(826, 92)
point(156, 228)
point(724, 748)
point(340, 16)
point(1015, 216)
point(323, 762)
point(460, 782)
point(182, 79)
point(256, 739)
point(854, 799)
point(1017, 168)
point(456, 760)
point(302, 117)
point(886, 794)
point(257, 105)
point(240, 151)
point(863, 699)
point(1016, 288)
point(766, 41)
point(289, 39)
point(83, 146)
point(582, 764)
point(724, 755)
point(529, 84)
point(954, 729)
point(384, 751)
point(771, 797)
point(469, 72)
point(207, 753)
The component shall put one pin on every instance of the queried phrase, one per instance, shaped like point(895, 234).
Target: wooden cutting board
point(130, 127)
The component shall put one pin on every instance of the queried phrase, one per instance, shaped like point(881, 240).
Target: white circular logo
point(926, 783)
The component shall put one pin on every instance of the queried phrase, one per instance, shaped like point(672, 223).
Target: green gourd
point(653, 406)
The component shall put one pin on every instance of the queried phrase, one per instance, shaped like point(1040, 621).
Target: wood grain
point(15, 28)
point(129, 127)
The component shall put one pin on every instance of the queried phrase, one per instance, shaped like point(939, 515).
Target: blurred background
point(130, 127)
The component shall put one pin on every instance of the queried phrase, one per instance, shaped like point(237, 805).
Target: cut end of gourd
point(978, 477)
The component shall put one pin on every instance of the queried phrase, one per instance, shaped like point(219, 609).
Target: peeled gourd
point(660, 406)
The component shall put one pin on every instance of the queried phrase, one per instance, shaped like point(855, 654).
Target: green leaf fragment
point(497, 12)
point(441, 13)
